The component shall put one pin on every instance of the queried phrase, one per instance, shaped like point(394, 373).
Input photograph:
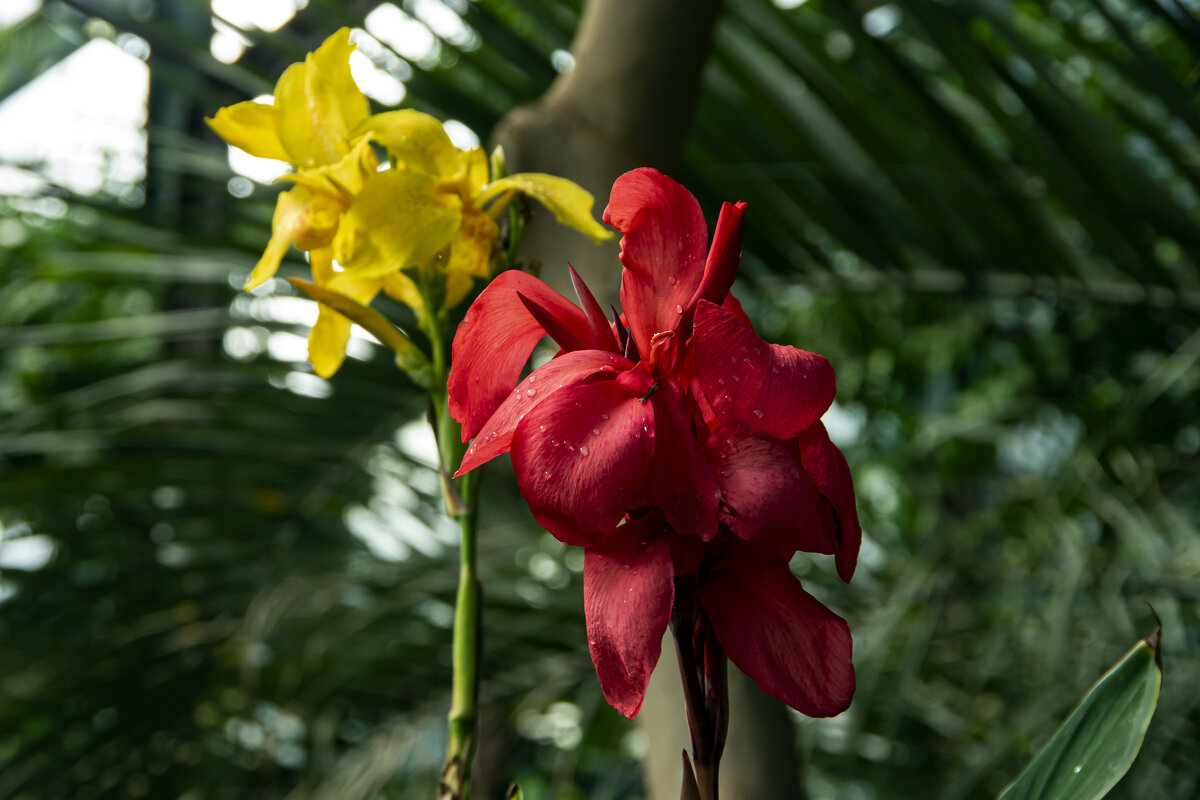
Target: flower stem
point(459, 497)
point(702, 666)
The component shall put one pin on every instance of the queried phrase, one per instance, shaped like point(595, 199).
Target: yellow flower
point(437, 201)
point(435, 210)
point(317, 107)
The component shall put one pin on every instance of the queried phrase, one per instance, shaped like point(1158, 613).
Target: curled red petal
point(680, 483)
point(495, 436)
point(494, 342)
point(826, 465)
point(724, 255)
point(581, 457)
point(628, 589)
point(602, 332)
point(755, 387)
point(780, 635)
point(663, 249)
point(769, 499)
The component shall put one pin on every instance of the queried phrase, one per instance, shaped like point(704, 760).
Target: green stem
point(459, 497)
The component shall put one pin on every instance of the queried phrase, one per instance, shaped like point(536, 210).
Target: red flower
point(675, 445)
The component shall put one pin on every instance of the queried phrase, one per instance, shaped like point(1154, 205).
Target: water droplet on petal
point(554, 442)
point(758, 413)
point(721, 381)
point(546, 475)
point(595, 431)
point(582, 450)
point(678, 308)
point(541, 427)
point(604, 416)
point(530, 392)
point(626, 566)
point(532, 378)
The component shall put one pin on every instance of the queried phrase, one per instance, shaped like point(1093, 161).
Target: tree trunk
point(627, 104)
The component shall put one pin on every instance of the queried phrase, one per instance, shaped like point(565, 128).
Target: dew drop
point(583, 451)
point(736, 377)
point(604, 416)
point(595, 431)
point(774, 370)
point(530, 392)
point(671, 279)
point(678, 308)
point(532, 378)
point(541, 428)
point(758, 413)
point(626, 566)
point(568, 445)
point(546, 475)
point(554, 442)
point(721, 381)
point(745, 361)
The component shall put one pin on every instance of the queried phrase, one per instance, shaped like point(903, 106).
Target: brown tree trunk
point(626, 104)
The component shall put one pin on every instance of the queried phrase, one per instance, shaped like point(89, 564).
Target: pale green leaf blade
point(1096, 745)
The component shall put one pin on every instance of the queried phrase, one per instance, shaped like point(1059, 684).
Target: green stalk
point(459, 497)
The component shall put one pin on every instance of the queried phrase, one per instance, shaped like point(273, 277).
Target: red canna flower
point(680, 449)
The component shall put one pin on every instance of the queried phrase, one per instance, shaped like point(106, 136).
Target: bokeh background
point(224, 577)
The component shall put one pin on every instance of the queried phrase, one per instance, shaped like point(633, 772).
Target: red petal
point(602, 332)
point(771, 500)
point(724, 255)
point(628, 588)
point(581, 457)
point(780, 635)
point(826, 465)
point(680, 482)
point(494, 342)
point(495, 437)
point(756, 387)
point(665, 240)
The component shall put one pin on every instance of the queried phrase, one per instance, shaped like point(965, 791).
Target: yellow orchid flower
point(310, 125)
point(436, 202)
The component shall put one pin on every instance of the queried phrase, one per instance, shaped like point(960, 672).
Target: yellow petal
point(319, 104)
point(477, 171)
point(458, 286)
point(570, 203)
point(401, 288)
point(416, 140)
point(335, 85)
point(397, 220)
point(251, 127)
point(471, 248)
point(331, 332)
point(343, 179)
point(291, 209)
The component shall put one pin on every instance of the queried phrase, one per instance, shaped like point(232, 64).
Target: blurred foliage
point(983, 213)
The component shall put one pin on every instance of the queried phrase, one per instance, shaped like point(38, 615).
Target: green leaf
point(408, 356)
point(1096, 745)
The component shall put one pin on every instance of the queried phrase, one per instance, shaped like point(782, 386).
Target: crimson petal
point(680, 482)
point(602, 332)
point(581, 457)
point(772, 501)
point(783, 637)
point(826, 465)
point(495, 437)
point(755, 387)
point(663, 249)
point(628, 589)
point(724, 256)
point(494, 342)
